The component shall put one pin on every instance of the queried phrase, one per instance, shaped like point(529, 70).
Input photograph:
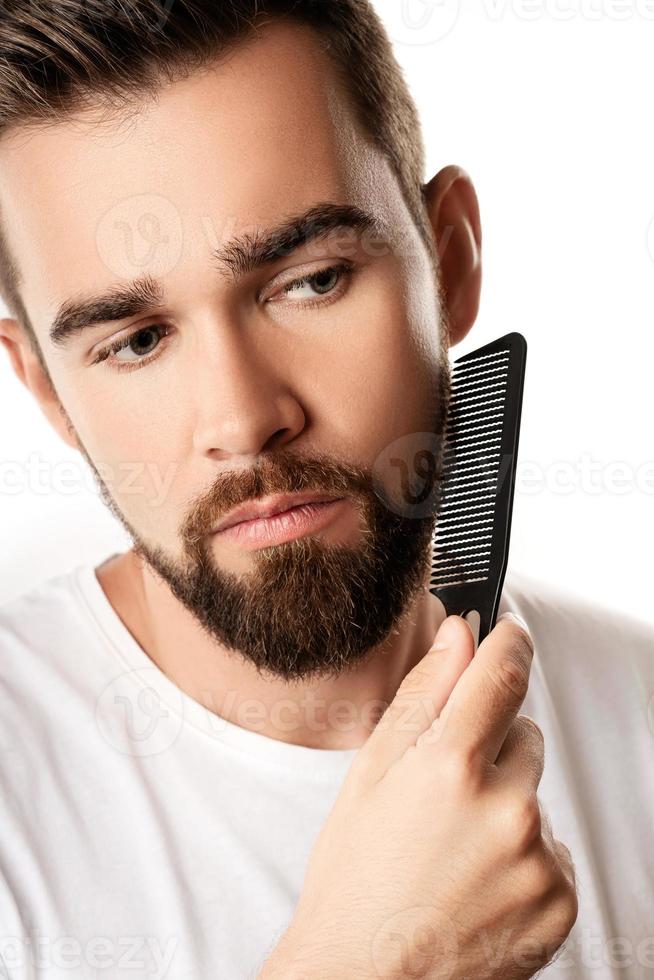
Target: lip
point(269, 506)
point(262, 532)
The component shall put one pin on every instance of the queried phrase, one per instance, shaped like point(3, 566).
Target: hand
point(437, 859)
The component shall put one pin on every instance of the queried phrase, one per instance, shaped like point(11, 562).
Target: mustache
point(281, 473)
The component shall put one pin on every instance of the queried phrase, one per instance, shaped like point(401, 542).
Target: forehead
point(265, 131)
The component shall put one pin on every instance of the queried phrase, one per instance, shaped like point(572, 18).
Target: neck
point(335, 713)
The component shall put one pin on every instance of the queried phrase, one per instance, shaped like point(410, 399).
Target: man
point(237, 191)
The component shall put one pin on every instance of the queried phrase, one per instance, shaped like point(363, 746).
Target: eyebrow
point(236, 258)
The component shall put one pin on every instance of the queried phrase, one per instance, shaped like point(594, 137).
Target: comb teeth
point(471, 470)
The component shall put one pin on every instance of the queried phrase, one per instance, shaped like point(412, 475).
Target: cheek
point(376, 380)
point(396, 360)
point(135, 450)
point(151, 495)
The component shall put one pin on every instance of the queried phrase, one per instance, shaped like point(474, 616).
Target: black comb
point(471, 541)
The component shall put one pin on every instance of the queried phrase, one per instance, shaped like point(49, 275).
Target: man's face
point(234, 384)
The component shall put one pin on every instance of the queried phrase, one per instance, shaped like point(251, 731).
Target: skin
point(244, 382)
point(437, 859)
point(249, 389)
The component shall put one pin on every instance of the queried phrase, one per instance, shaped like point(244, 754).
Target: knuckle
point(460, 769)
point(521, 822)
point(546, 827)
point(533, 740)
point(565, 860)
point(550, 887)
point(531, 728)
point(543, 882)
point(571, 908)
point(520, 639)
point(511, 676)
point(565, 907)
point(520, 647)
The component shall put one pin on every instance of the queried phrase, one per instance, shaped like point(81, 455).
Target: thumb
point(421, 696)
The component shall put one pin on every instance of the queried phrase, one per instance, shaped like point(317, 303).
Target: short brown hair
point(58, 58)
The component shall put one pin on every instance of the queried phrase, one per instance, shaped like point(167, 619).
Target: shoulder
point(593, 629)
point(591, 690)
point(32, 613)
point(585, 653)
point(42, 632)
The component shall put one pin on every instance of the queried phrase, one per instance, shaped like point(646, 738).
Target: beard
point(308, 609)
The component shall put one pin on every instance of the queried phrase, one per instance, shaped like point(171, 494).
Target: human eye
point(330, 282)
point(144, 336)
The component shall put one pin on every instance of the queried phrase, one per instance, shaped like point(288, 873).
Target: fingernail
point(516, 619)
point(446, 634)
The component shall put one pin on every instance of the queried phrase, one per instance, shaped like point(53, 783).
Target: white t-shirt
point(142, 836)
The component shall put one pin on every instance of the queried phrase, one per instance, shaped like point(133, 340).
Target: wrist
point(295, 959)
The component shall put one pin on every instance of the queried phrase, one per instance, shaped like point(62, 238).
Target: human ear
point(32, 372)
point(453, 211)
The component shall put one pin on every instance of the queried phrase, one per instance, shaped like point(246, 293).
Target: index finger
point(488, 695)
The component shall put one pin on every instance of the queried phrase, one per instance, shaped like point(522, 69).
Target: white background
point(547, 105)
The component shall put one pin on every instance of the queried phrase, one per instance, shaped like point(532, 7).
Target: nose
point(244, 404)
